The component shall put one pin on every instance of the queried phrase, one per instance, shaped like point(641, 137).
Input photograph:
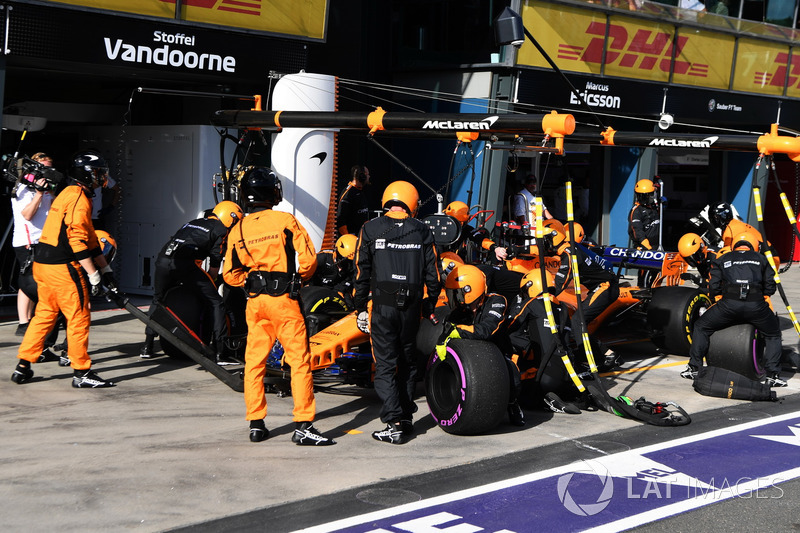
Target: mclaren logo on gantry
point(684, 143)
point(483, 124)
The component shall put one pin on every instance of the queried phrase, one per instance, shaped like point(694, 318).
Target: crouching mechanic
point(696, 254)
point(261, 258)
point(179, 262)
point(478, 315)
point(68, 252)
point(335, 268)
point(396, 258)
point(545, 378)
point(743, 277)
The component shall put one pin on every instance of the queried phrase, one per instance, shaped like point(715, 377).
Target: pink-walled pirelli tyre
point(671, 314)
point(738, 349)
point(468, 391)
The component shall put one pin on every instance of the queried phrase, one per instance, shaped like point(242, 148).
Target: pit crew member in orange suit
point(643, 218)
point(544, 377)
point(602, 284)
point(743, 277)
point(68, 252)
point(261, 258)
point(396, 258)
point(476, 314)
point(179, 261)
point(460, 211)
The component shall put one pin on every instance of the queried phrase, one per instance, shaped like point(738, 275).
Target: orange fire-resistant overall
point(267, 241)
point(67, 237)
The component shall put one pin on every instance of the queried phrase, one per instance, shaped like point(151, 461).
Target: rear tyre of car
point(671, 314)
point(468, 391)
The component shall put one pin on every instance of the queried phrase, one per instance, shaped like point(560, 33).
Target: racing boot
point(557, 405)
point(407, 422)
point(147, 348)
point(392, 433)
point(690, 372)
point(305, 434)
point(23, 373)
point(48, 354)
point(87, 379)
point(220, 357)
point(515, 415)
point(258, 431)
point(774, 380)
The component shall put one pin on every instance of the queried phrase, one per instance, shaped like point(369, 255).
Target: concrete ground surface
point(168, 446)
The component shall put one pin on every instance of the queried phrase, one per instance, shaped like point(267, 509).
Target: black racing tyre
point(316, 299)
point(671, 314)
point(739, 349)
point(429, 333)
point(468, 391)
point(188, 307)
point(321, 306)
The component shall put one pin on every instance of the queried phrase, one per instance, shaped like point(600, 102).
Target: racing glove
point(450, 331)
point(362, 321)
point(94, 280)
point(428, 307)
point(108, 278)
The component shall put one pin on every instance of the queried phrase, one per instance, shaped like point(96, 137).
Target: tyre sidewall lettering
point(687, 323)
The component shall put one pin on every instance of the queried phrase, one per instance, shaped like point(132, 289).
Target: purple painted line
point(690, 471)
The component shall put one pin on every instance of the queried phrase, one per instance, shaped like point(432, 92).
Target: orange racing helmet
point(457, 210)
point(464, 285)
point(401, 193)
point(108, 245)
point(227, 212)
point(346, 246)
point(531, 283)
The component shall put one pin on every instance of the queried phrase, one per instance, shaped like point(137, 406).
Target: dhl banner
point(636, 49)
point(586, 41)
point(758, 67)
point(302, 18)
point(562, 32)
point(704, 58)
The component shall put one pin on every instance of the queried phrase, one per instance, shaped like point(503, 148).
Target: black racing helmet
point(89, 168)
point(261, 187)
point(721, 214)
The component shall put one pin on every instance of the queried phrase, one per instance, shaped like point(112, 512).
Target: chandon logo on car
point(682, 143)
point(167, 55)
point(483, 124)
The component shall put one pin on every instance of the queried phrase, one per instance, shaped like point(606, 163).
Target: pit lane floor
point(167, 447)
